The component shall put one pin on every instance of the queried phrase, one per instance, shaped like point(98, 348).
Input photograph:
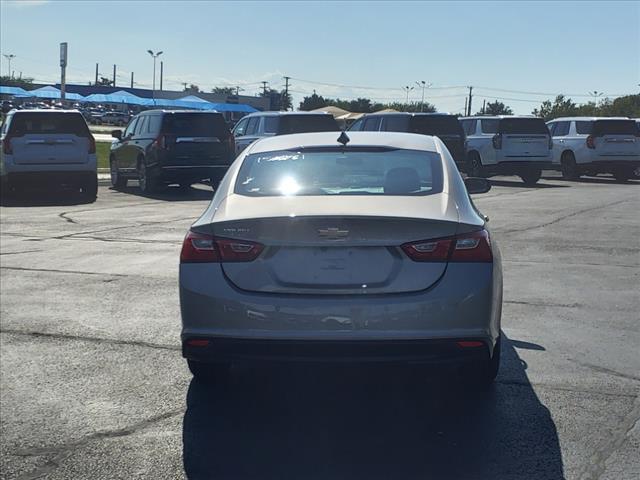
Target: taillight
point(468, 247)
point(92, 144)
point(7, 149)
point(497, 141)
point(591, 141)
point(163, 141)
point(203, 248)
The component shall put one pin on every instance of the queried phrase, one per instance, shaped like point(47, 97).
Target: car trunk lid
point(524, 138)
point(616, 138)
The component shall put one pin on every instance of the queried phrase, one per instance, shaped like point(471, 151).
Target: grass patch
point(102, 154)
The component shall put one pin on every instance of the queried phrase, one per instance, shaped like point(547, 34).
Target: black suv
point(160, 147)
point(444, 126)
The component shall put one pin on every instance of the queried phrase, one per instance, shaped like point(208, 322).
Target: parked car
point(160, 147)
point(325, 248)
point(592, 145)
point(115, 118)
point(268, 124)
point(7, 106)
point(507, 145)
point(45, 147)
point(444, 126)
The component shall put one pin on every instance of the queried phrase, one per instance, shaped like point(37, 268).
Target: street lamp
point(9, 57)
point(422, 84)
point(154, 55)
point(407, 89)
point(595, 94)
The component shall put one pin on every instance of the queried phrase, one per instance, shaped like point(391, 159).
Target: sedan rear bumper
point(192, 174)
point(449, 351)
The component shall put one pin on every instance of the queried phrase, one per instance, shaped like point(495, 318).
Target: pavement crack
point(560, 388)
point(564, 217)
point(608, 371)
point(65, 450)
point(52, 270)
point(18, 253)
point(111, 341)
point(542, 304)
point(64, 216)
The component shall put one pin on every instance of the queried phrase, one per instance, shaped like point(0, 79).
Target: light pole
point(407, 89)
point(595, 94)
point(9, 57)
point(422, 84)
point(154, 55)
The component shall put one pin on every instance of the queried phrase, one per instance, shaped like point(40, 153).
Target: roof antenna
point(343, 138)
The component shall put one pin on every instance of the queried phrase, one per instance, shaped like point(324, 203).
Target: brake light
point(591, 141)
point(7, 149)
point(92, 144)
point(163, 141)
point(468, 247)
point(203, 248)
point(497, 141)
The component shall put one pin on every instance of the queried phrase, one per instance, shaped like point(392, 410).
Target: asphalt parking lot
point(93, 385)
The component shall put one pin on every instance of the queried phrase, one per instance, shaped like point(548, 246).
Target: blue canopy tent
point(118, 97)
point(13, 91)
point(52, 92)
point(193, 98)
point(232, 107)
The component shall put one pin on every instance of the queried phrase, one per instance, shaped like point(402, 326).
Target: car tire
point(623, 175)
point(146, 180)
point(89, 188)
point(117, 181)
point(474, 165)
point(531, 177)
point(209, 372)
point(568, 167)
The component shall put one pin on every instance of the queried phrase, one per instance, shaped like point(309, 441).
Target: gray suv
point(268, 124)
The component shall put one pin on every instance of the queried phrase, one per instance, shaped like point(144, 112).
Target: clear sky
point(507, 50)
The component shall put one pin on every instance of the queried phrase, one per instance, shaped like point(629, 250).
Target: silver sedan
point(320, 247)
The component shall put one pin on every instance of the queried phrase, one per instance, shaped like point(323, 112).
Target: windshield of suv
point(436, 125)
point(523, 125)
point(48, 123)
point(614, 127)
point(334, 172)
point(195, 125)
point(307, 123)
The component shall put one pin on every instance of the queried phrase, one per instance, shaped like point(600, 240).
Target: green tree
point(312, 102)
point(496, 108)
point(104, 82)
point(192, 88)
point(627, 106)
point(560, 107)
point(223, 90)
point(22, 82)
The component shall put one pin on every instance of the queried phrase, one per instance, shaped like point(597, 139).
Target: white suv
point(592, 145)
point(507, 145)
point(48, 147)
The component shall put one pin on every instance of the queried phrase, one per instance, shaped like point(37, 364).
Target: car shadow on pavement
point(607, 180)
point(520, 184)
point(369, 423)
point(43, 198)
point(172, 194)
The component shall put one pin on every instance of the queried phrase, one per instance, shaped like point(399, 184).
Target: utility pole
point(184, 84)
point(161, 73)
point(465, 106)
point(264, 88)
point(9, 57)
point(484, 104)
point(131, 79)
point(96, 82)
point(238, 90)
point(407, 89)
point(114, 74)
point(63, 70)
point(286, 88)
point(469, 103)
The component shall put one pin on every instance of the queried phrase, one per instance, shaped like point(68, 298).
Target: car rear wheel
point(623, 175)
point(569, 168)
point(117, 180)
point(474, 165)
point(209, 372)
point(148, 183)
point(531, 177)
point(89, 188)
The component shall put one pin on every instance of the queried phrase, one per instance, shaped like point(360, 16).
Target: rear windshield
point(614, 127)
point(436, 125)
point(523, 125)
point(45, 123)
point(195, 125)
point(331, 171)
point(307, 123)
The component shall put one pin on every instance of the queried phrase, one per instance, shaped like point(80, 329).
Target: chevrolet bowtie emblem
point(333, 233)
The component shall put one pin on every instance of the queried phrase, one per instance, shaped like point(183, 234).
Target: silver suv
point(267, 124)
point(592, 145)
point(48, 147)
point(507, 145)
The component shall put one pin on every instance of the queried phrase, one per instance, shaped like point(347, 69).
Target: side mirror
point(117, 134)
point(477, 185)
